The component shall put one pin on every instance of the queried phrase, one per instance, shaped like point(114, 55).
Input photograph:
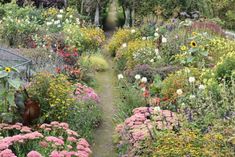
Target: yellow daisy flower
point(194, 33)
point(7, 69)
point(183, 48)
point(193, 44)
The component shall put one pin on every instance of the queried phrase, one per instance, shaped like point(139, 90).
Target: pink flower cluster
point(141, 124)
point(71, 143)
point(84, 93)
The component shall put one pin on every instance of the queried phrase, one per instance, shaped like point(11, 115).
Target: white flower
point(133, 31)
point(157, 52)
point(78, 21)
point(49, 23)
point(191, 79)
point(57, 22)
point(120, 76)
point(201, 87)
point(152, 60)
point(59, 16)
point(144, 38)
point(144, 80)
point(164, 40)
point(156, 110)
point(137, 77)
point(192, 96)
point(156, 34)
point(71, 16)
point(124, 45)
point(58, 26)
point(157, 29)
point(61, 10)
point(179, 92)
point(49, 56)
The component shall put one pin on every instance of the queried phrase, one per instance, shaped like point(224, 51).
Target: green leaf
point(7, 117)
point(204, 53)
point(15, 83)
point(11, 99)
point(3, 74)
point(15, 70)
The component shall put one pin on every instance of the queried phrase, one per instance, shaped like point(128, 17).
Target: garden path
point(103, 146)
point(103, 137)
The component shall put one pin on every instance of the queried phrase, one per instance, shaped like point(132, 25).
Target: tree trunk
point(82, 4)
point(133, 17)
point(127, 17)
point(97, 15)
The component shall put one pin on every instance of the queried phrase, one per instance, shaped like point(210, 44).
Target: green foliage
point(9, 83)
point(226, 68)
point(54, 94)
point(120, 37)
point(132, 48)
point(95, 62)
point(130, 98)
point(93, 38)
point(85, 118)
point(188, 143)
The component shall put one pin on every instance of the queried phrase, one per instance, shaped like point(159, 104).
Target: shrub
point(95, 61)
point(92, 37)
point(120, 37)
point(54, 94)
point(176, 81)
point(130, 98)
point(225, 69)
point(133, 47)
point(188, 143)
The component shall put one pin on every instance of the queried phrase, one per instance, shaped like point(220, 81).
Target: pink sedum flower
point(34, 154)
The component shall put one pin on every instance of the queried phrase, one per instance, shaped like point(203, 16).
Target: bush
point(226, 68)
point(131, 49)
point(54, 94)
point(120, 37)
point(187, 143)
point(92, 37)
point(95, 62)
point(130, 98)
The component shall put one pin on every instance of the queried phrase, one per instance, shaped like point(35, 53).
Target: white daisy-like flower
point(144, 80)
point(157, 29)
point(60, 16)
point(78, 21)
point(120, 76)
point(191, 79)
point(59, 26)
point(61, 10)
point(201, 87)
point(192, 97)
point(133, 31)
point(152, 60)
point(137, 77)
point(156, 110)
point(57, 22)
point(156, 51)
point(49, 23)
point(144, 38)
point(156, 34)
point(124, 45)
point(179, 92)
point(70, 16)
point(164, 40)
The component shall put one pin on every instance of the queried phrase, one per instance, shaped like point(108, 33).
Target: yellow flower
point(7, 69)
point(193, 44)
point(194, 33)
point(183, 48)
